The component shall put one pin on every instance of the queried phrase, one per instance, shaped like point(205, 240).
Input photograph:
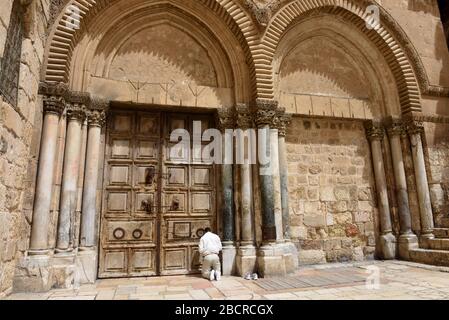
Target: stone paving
point(398, 281)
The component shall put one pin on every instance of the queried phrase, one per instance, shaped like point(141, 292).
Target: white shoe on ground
point(212, 275)
point(217, 275)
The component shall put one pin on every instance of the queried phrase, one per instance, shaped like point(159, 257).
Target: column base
point(246, 260)
point(33, 274)
point(63, 265)
point(388, 246)
point(407, 242)
point(424, 239)
point(290, 257)
point(229, 259)
point(271, 261)
point(44, 252)
point(65, 270)
point(86, 266)
point(64, 252)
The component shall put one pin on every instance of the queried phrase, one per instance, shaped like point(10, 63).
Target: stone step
point(439, 244)
point(430, 257)
point(441, 233)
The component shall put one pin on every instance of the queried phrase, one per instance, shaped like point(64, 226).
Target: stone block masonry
point(438, 163)
point(19, 143)
point(332, 191)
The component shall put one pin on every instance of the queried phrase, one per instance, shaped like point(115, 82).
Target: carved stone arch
point(95, 55)
point(366, 78)
point(63, 40)
point(395, 47)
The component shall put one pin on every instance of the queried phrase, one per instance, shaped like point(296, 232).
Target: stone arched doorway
point(130, 66)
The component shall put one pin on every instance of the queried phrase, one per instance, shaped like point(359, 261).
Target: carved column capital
point(77, 104)
point(374, 131)
point(396, 127)
point(97, 113)
point(226, 119)
point(285, 119)
point(244, 117)
point(414, 126)
point(54, 97)
point(267, 113)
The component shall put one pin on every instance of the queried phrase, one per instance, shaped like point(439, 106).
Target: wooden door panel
point(177, 176)
point(175, 203)
point(143, 261)
point(120, 175)
point(175, 260)
point(189, 206)
point(147, 149)
point(156, 202)
point(122, 123)
point(118, 203)
point(115, 262)
point(128, 232)
point(202, 177)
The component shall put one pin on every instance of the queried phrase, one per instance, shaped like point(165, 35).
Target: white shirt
point(210, 243)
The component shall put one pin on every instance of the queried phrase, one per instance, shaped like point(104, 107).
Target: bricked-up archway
point(385, 37)
point(220, 16)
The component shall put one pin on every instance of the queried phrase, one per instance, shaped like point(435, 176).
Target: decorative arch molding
point(381, 98)
point(389, 38)
point(63, 40)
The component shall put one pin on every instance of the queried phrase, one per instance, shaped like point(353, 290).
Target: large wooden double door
point(156, 202)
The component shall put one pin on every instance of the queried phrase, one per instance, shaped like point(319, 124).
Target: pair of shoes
point(212, 275)
point(250, 276)
point(217, 275)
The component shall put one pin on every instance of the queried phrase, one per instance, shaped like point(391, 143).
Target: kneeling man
point(210, 247)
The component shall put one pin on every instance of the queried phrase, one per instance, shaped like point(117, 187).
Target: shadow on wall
point(444, 12)
point(164, 64)
point(162, 54)
point(425, 6)
point(317, 77)
point(436, 141)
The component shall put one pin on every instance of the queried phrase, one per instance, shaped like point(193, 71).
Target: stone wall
point(19, 135)
point(438, 165)
point(427, 36)
point(332, 193)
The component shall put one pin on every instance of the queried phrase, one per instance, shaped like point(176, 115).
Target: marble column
point(96, 117)
point(270, 259)
point(407, 240)
point(226, 123)
point(274, 140)
point(75, 117)
point(291, 252)
point(83, 149)
point(54, 104)
point(387, 240)
point(245, 123)
point(247, 251)
point(284, 121)
point(265, 119)
point(415, 129)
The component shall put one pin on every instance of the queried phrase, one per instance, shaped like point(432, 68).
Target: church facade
point(353, 96)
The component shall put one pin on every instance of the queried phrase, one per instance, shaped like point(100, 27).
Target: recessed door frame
point(160, 220)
